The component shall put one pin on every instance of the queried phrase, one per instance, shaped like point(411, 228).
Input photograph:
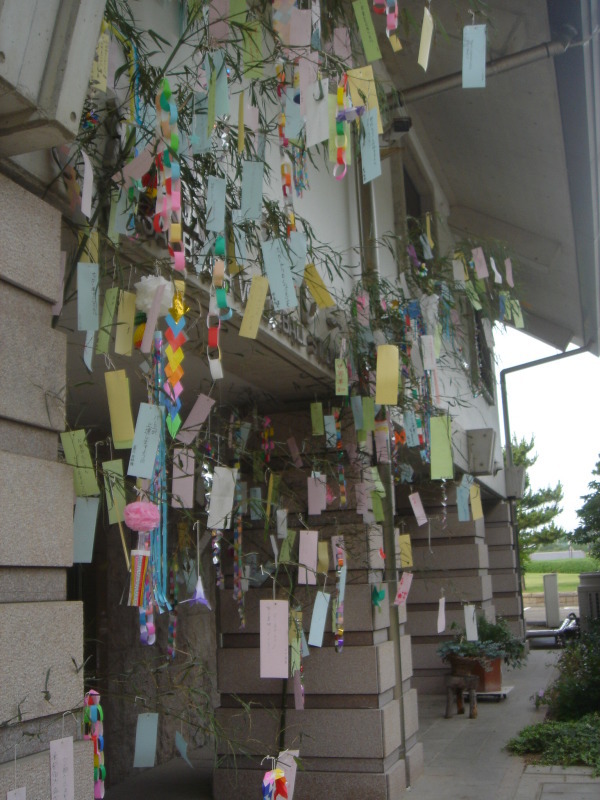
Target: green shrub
point(570, 565)
point(562, 743)
point(576, 690)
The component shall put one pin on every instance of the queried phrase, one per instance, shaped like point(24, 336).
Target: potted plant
point(484, 657)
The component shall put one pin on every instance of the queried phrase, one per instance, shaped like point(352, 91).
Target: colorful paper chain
point(390, 9)
point(340, 560)
point(341, 139)
point(167, 217)
point(93, 727)
point(218, 309)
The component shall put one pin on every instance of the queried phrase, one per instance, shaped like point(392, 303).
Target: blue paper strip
point(369, 147)
point(215, 204)
point(84, 529)
point(473, 67)
point(278, 269)
point(148, 429)
point(252, 189)
point(145, 740)
point(88, 313)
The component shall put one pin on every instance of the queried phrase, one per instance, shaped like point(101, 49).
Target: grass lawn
point(534, 582)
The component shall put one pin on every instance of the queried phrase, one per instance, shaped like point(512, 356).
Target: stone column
point(357, 732)
point(450, 557)
point(499, 535)
point(41, 634)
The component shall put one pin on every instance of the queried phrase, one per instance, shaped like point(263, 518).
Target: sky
point(559, 404)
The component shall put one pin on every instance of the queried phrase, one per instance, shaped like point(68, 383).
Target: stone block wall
point(358, 729)
point(41, 633)
point(503, 556)
point(451, 558)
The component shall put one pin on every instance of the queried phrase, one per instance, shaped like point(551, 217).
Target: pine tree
point(588, 533)
point(537, 510)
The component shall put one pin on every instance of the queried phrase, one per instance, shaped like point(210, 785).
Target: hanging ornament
point(93, 729)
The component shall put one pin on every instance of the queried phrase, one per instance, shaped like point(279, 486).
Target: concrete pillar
point(450, 557)
point(41, 634)
point(499, 536)
point(357, 733)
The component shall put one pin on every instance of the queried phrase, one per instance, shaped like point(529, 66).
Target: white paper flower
point(146, 289)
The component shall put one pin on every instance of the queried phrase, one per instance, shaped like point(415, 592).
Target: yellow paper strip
point(395, 42)
point(125, 323)
point(441, 448)
point(108, 312)
point(426, 37)
point(317, 288)
point(362, 86)
point(406, 557)
point(475, 495)
point(254, 307)
point(388, 373)
point(323, 557)
point(119, 407)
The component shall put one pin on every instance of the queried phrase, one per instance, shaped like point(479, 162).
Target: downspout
point(508, 442)
point(500, 65)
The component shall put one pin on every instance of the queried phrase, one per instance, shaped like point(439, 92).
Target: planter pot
point(489, 680)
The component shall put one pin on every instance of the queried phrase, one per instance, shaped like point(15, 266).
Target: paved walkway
point(464, 758)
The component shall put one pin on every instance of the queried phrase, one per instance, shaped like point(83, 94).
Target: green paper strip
point(316, 416)
point(114, 485)
point(108, 312)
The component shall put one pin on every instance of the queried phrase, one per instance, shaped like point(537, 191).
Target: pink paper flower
point(142, 516)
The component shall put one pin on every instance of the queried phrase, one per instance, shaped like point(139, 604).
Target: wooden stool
point(455, 686)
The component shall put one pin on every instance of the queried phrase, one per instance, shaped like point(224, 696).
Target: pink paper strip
point(182, 490)
point(196, 417)
point(307, 557)
point(403, 588)
point(417, 507)
point(274, 649)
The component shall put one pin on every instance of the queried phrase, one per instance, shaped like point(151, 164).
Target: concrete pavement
point(465, 758)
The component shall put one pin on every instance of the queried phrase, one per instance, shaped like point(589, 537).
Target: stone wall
point(41, 633)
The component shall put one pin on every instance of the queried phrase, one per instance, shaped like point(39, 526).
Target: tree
point(588, 533)
point(537, 510)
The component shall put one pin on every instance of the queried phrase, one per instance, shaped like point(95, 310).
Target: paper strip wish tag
point(406, 557)
point(62, 774)
point(318, 619)
point(366, 29)
point(470, 623)
point(287, 762)
point(114, 489)
point(403, 588)
point(307, 557)
point(316, 286)
point(254, 307)
point(146, 734)
point(197, 416)
point(182, 492)
point(84, 529)
point(440, 429)
point(278, 268)
point(119, 407)
point(441, 618)
point(221, 497)
point(426, 37)
point(125, 324)
point(88, 313)
point(77, 455)
point(473, 60)
point(475, 496)
point(386, 391)
point(417, 507)
point(146, 439)
point(274, 648)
